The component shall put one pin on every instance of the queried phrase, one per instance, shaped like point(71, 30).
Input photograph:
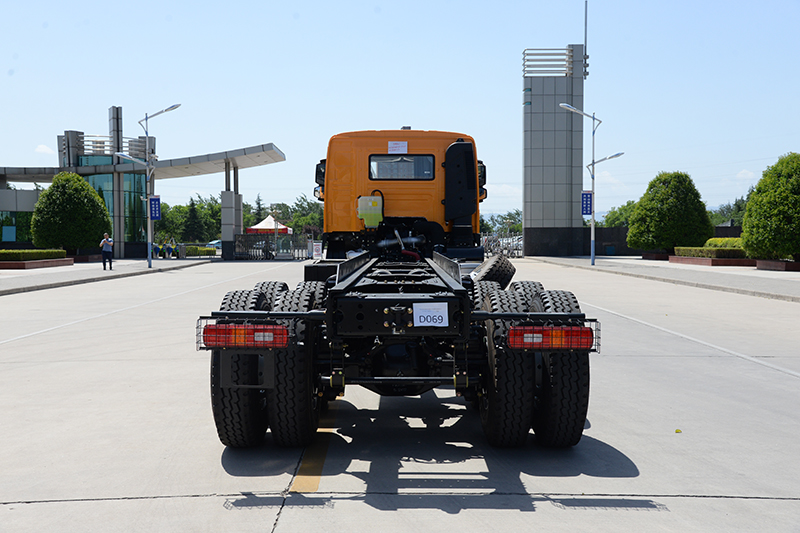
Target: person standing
point(108, 246)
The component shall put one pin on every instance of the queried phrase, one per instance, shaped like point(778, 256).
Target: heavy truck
point(398, 306)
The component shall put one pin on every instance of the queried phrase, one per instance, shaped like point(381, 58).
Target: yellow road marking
point(310, 471)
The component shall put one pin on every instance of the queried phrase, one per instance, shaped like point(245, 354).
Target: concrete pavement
point(740, 280)
point(17, 281)
point(107, 424)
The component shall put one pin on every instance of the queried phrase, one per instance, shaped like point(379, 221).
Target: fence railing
point(508, 244)
point(269, 246)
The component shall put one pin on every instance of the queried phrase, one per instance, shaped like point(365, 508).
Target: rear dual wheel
point(240, 414)
point(563, 402)
point(293, 405)
point(272, 291)
point(506, 404)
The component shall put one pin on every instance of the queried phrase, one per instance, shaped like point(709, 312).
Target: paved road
point(106, 422)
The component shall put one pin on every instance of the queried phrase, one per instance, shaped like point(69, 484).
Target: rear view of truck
point(402, 303)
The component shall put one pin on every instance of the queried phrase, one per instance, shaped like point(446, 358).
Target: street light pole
point(150, 164)
point(595, 124)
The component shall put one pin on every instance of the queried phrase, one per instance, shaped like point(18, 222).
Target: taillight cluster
point(244, 336)
point(550, 338)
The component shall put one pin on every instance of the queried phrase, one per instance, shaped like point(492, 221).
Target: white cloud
point(501, 198)
point(607, 178)
point(42, 149)
point(745, 175)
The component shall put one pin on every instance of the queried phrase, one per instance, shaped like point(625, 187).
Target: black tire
point(497, 268)
point(506, 405)
point(317, 288)
point(529, 290)
point(560, 302)
point(272, 291)
point(560, 414)
point(293, 405)
point(480, 289)
point(244, 301)
point(240, 415)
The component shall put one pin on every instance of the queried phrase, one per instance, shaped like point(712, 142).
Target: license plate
point(430, 315)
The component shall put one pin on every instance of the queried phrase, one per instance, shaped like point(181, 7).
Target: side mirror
point(320, 175)
point(481, 174)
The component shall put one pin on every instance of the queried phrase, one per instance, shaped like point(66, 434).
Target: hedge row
point(724, 242)
point(714, 253)
point(194, 251)
point(31, 255)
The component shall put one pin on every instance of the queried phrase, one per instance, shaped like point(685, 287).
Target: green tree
point(248, 218)
point(173, 218)
point(307, 216)
point(193, 230)
point(210, 213)
point(281, 211)
point(771, 225)
point(731, 211)
point(669, 214)
point(510, 222)
point(485, 226)
point(70, 215)
point(259, 210)
point(619, 216)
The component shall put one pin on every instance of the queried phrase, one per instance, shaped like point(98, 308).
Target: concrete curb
point(67, 283)
point(699, 285)
point(36, 263)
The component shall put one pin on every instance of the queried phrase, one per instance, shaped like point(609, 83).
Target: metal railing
point(547, 62)
point(104, 145)
point(269, 246)
point(508, 244)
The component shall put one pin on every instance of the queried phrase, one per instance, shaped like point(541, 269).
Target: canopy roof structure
point(262, 154)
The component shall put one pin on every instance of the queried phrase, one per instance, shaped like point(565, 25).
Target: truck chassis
point(400, 326)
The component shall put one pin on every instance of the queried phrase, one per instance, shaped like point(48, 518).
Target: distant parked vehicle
point(215, 244)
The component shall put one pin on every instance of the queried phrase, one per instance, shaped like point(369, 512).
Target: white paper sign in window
point(398, 147)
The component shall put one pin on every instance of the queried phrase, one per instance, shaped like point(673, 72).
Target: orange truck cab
point(403, 193)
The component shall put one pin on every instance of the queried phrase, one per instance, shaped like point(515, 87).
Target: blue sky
point(705, 87)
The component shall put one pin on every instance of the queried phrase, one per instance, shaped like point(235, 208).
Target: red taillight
point(245, 336)
point(550, 338)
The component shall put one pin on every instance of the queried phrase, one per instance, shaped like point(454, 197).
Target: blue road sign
point(586, 203)
point(155, 208)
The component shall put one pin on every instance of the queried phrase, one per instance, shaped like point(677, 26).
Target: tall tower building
point(552, 151)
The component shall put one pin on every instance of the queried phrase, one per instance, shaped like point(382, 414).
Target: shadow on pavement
point(430, 453)
point(266, 460)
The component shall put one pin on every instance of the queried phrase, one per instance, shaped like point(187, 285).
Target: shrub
point(771, 227)
point(31, 255)
point(714, 253)
point(194, 251)
point(669, 214)
point(724, 242)
point(69, 214)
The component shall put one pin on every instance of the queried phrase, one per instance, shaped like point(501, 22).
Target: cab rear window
point(401, 167)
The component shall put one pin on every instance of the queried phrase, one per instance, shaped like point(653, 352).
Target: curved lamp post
point(595, 123)
point(149, 164)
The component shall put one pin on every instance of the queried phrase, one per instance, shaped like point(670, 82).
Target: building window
point(133, 191)
point(104, 185)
